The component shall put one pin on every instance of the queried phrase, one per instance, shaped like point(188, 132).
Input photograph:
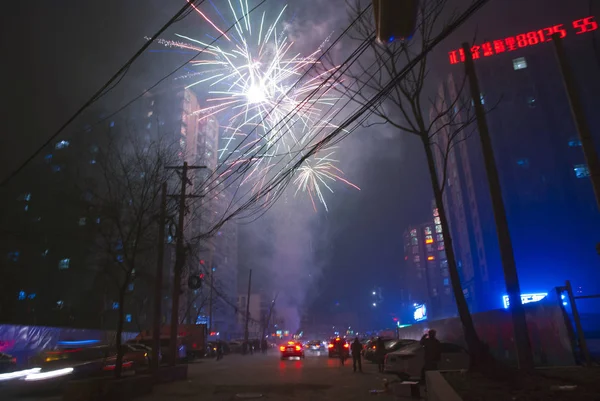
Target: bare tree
point(439, 122)
point(126, 197)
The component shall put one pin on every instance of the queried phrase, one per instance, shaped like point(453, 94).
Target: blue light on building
point(525, 298)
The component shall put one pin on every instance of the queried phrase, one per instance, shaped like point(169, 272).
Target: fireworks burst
point(257, 82)
point(322, 172)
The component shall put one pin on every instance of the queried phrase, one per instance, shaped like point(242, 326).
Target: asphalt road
point(316, 377)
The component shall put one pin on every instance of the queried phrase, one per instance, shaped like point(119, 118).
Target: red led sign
point(532, 38)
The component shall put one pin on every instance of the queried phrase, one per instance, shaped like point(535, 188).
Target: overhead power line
point(104, 89)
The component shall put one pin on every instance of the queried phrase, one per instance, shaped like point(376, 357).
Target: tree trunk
point(474, 344)
point(120, 323)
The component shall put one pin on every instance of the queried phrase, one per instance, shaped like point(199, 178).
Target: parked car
point(8, 363)
point(370, 351)
point(235, 347)
point(408, 361)
point(165, 352)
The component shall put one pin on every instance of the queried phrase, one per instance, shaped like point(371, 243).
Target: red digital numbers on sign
point(532, 38)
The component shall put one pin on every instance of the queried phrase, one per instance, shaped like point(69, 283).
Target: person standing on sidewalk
point(433, 352)
point(356, 349)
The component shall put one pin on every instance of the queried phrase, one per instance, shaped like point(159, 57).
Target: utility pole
point(268, 319)
point(179, 258)
point(210, 300)
point(159, 280)
point(523, 345)
point(581, 124)
point(246, 333)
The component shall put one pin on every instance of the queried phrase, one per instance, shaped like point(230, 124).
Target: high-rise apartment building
point(549, 201)
point(426, 280)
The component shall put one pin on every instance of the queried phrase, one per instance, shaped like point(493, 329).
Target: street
point(316, 377)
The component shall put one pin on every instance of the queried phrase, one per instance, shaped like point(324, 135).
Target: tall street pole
point(179, 262)
point(160, 258)
point(246, 333)
point(179, 259)
point(523, 345)
point(581, 124)
point(210, 300)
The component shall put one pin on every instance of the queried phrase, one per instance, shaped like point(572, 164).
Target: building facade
point(552, 214)
point(426, 280)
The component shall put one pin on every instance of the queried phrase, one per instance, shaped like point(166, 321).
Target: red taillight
point(282, 348)
point(345, 345)
point(330, 346)
point(298, 348)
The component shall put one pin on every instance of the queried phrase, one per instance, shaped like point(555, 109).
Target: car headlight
point(49, 375)
point(17, 374)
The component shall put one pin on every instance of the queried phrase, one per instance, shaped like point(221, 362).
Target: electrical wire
point(366, 108)
point(118, 76)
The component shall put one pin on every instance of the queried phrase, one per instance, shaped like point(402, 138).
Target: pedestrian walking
point(219, 350)
point(340, 348)
point(433, 352)
point(356, 349)
point(380, 354)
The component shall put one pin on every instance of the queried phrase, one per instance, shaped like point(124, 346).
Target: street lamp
point(374, 304)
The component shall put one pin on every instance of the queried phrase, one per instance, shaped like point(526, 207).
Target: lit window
point(429, 248)
point(413, 240)
point(444, 264)
point(64, 263)
point(434, 292)
point(574, 143)
point(25, 197)
point(48, 158)
point(524, 162)
point(481, 98)
point(98, 220)
point(531, 102)
point(112, 124)
point(60, 304)
point(519, 63)
point(82, 221)
point(62, 144)
point(438, 229)
point(93, 161)
point(581, 171)
point(56, 168)
point(436, 220)
point(427, 230)
point(14, 256)
point(440, 237)
point(130, 287)
point(150, 113)
point(128, 318)
point(435, 212)
point(429, 239)
point(440, 246)
point(182, 143)
point(430, 257)
point(417, 259)
point(26, 207)
point(115, 305)
point(149, 125)
point(446, 281)
point(152, 103)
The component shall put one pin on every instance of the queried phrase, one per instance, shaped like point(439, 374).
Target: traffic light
point(195, 281)
point(395, 19)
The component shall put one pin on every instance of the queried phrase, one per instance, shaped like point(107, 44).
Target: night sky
point(57, 53)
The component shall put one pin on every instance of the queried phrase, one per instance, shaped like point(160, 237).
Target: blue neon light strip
point(82, 342)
